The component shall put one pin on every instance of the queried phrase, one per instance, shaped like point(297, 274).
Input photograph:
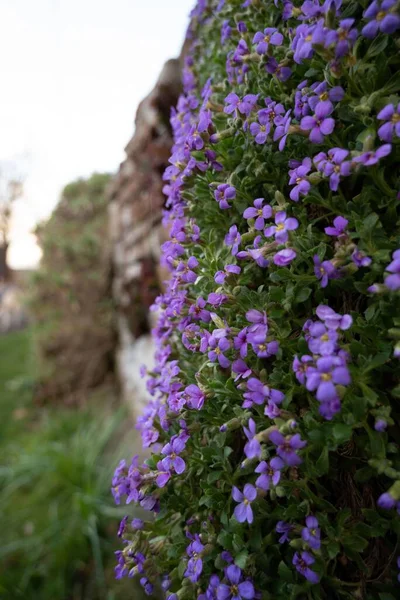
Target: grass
point(59, 522)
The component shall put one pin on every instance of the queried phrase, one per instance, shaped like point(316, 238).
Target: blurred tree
point(11, 188)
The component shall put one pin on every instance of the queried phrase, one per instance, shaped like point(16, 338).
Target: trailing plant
point(273, 421)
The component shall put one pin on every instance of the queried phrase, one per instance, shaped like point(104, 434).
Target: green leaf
point(342, 433)
point(377, 46)
point(322, 464)
point(333, 549)
point(303, 295)
point(241, 559)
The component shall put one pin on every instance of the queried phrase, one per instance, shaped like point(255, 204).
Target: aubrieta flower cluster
point(274, 468)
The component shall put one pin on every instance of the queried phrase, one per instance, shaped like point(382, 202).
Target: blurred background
point(80, 211)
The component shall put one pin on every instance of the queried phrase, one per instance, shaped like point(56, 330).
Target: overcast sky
point(72, 75)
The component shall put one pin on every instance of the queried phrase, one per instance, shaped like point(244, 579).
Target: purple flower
point(233, 238)
point(231, 103)
point(220, 276)
point(269, 473)
point(274, 68)
point(360, 259)
point(226, 31)
point(282, 129)
point(305, 37)
point(391, 115)
point(259, 213)
point(322, 340)
point(195, 396)
point(382, 17)
point(223, 194)
point(243, 512)
point(298, 178)
point(380, 425)
point(302, 563)
point(386, 501)
point(265, 350)
point(163, 476)
point(333, 165)
point(392, 282)
point(324, 97)
point(342, 38)
point(261, 128)
point(198, 311)
point(263, 40)
point(122, 526)
point(252, 448)
point(147, 586)
point(300, 367)
point(281, 227)
point(284, 257)
point(324, 270)
point(216, 299)
point(287, 446)
point(320, 124)
point(240, 369)
point(284, 529)
point(259, 327)
point(339, 228)
point(218, 347)
point(311, 534)
point(325, 376)
point(137, 524)
point(171, 452)
point(235, 589)
point(248, 103)
point(195, 563)
point(373, 156)
point(332, 319)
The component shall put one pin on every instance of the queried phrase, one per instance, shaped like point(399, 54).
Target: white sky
point(72, 75)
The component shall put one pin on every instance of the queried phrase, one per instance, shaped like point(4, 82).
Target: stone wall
point(136, 203)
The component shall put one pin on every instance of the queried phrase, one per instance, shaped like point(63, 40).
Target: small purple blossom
point(372, 157)
point(252, 448)
point(284, 257)
point(320, 124)
point(360, 259)
point(311, 534)
point(195, 562)
point(233, 238)
point(287, 447)
point(298, 178)
point(343, 38)
point(325, 376)
point(235, 588)
point(243, 512)
point(284, 529)
point(392, 281)
point(259, 213)
point(269, 473)
point(339, 227)
point(172, 459)
point(281, 227)
point(391, 115)
point(382, 17)
point(220, 276)
point(324, 270)
point(218, 347)
point(264, 39)
point(223, 194)
point(302, 563)
point(380, 425)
